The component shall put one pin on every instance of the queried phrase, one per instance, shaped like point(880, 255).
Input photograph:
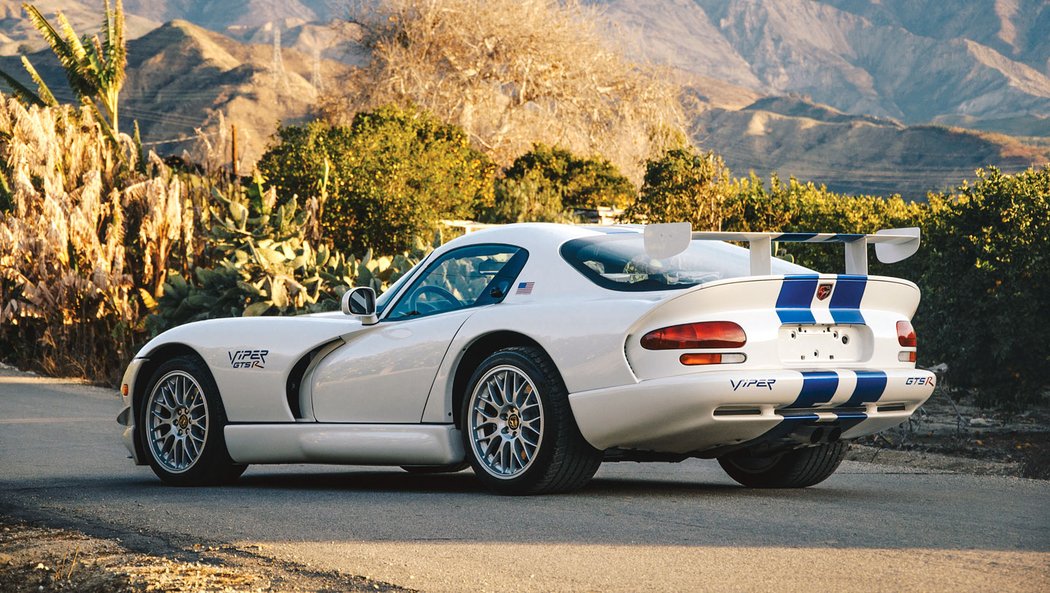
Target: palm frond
point(95, 58)
point(22, 92)
point(65, 53)
point(58, 45)
point(71, 37)
point(115, 46)
point(43, 91)
point(83, 77)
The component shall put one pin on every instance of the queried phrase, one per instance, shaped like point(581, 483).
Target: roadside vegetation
point(103, 246)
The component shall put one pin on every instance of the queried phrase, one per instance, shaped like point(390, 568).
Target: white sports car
point(533, 352)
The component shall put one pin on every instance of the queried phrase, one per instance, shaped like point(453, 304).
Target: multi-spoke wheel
point(518, 429)
point(181, 421)
point(177, 421)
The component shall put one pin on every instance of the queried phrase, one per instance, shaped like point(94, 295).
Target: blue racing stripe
point(870, 386)
point(845, 301)
point(796, 295)
point(818, 387)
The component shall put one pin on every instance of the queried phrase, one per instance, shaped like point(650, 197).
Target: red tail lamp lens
point(906, 334)
point(706, 334)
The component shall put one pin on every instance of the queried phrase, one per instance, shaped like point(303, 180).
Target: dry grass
point(85, 232)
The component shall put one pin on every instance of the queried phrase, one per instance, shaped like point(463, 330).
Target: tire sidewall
point(544, 386)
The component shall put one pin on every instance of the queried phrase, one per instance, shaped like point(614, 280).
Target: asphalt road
point(652, 527)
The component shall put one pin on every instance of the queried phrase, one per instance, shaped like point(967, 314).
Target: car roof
point(538, 235)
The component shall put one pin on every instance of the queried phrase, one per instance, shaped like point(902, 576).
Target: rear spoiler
point(891, 245)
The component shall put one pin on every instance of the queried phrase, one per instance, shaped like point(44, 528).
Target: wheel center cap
point(183, 422)
point(513, 421)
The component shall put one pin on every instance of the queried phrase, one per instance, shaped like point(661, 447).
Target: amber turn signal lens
point(695, 359)
point(124, 390)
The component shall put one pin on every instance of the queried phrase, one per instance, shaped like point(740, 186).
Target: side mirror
point(361, 303)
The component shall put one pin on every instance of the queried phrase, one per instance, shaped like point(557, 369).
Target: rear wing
point(891, 245)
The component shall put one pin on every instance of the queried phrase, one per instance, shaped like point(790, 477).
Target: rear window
point(619, 262)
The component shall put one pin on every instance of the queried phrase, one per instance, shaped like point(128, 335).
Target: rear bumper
point(706, 411)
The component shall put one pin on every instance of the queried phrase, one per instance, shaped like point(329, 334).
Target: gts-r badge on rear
point(248, 359)
point(755, 383)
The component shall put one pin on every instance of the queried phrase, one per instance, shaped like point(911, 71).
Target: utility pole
point(233, 149)
point(315, 79)
point(280, 78)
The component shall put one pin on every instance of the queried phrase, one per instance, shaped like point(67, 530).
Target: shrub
point(262, 264)
point(529, 198)
point(548, 184)
point(384, 180)
point(683, 185)
point(986, 286)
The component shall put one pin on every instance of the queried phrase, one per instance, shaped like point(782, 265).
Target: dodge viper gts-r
point(534, 352)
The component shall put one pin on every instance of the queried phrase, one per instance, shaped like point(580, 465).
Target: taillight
point(906, 334)
point(704, 334)
point(906, 338)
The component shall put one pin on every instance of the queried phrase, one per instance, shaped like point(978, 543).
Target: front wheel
point(518, 429)
point(181, 423)
point(791, 469)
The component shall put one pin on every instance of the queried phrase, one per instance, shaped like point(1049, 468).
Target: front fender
point(252, 357)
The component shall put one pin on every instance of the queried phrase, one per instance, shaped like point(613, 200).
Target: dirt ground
point(36, 559)
point(950, 433)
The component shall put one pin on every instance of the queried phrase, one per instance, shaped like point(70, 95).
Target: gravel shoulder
point(34, 559)
point(950, 433)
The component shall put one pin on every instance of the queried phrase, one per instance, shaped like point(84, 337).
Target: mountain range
point(867, 96)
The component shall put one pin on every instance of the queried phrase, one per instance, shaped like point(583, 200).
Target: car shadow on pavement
point(365, 481)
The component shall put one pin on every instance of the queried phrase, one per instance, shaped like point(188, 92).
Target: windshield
point(384, 299)
point(619, 262)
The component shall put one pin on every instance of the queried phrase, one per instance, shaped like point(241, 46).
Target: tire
point(181, 423)
point(436, 469)
point(518, 429)
point(798, 468)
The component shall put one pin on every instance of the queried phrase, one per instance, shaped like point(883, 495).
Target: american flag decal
point(524, 288)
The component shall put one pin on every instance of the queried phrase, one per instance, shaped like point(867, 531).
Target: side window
point(466, 277)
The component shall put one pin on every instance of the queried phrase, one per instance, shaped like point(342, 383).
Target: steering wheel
point(437, 291)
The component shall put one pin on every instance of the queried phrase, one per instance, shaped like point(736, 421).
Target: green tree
point(683, 185)
point(384, 180)
point(582, 183)
point(549, 183)
point(529, 198)
point(986, 287)
point(93, 67)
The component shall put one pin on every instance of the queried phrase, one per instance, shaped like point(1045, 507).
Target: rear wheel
point(791, 469)
point(518, 429)
point(181, 423)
